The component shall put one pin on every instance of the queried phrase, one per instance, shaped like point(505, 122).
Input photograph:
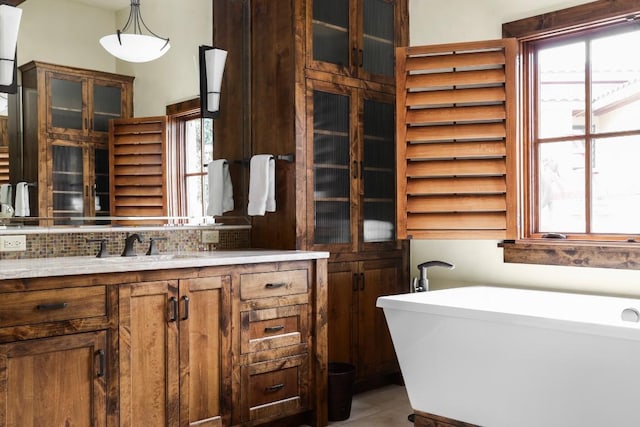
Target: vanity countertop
point(65, 266)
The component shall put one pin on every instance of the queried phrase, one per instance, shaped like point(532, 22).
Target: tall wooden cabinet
point(66, 123)
point(322, 88)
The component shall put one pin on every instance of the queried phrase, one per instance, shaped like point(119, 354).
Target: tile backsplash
point(74, 242)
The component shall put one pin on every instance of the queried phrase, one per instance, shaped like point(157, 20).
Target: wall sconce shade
point(135, 47)
point(212, 63)
point(9, 25)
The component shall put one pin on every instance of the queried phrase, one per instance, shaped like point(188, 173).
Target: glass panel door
point(331, 31)
point(107, 104)
point(101, 186)
point(378, 37)
point(66, 104)
point(331, 166)
point(68, 181)
point(378, 172)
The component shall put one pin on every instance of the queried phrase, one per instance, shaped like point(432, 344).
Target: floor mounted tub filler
point(504, 357)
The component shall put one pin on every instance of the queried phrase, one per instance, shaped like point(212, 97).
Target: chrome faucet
point(422, 284)
point(128, 244)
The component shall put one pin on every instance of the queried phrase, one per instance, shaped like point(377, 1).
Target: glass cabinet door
point(66, 104)
point(378, 171)
point(331, 33)
point(68, 181)
point(331, 167)
point(378, 39)
point(107, 104)
point(101, 186)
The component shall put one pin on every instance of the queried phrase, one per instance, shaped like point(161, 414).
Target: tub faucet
point(422, 284)
point(128, 244)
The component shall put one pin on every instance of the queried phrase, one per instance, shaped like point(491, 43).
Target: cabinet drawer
point(273, 328)
point(273, 284)
point(32, 307)
point(276, 387)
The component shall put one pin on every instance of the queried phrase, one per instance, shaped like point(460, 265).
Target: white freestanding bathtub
point(501, 357)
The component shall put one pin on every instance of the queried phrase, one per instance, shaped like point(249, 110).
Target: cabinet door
point(376, 40)
point(376, 355)
point(204, 341)
point(148, 338)
point(330, 44)
point(66, 101)
point(54, 381)
point(342, 279)
point(377, 167)
point(332, 129)
point(69, 166)
point(106, 102)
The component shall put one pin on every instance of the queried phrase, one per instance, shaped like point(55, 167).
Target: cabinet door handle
point(355, 169)
point(354, 56)
point(274, 388)
point(361, 61)
point(100, 355)
point(186, 300)
point(173, 309)
point(272, 329)
point(274, 285)
point(52, 306)
point(354, 282)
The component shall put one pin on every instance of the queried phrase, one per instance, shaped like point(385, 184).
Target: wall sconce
point(211, 70)
point(9, 24)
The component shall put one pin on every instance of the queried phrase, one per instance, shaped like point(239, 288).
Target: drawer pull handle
point(274, 388)
point(274, 285)
point(52, 306)
point(272, 329)
point(100, 354)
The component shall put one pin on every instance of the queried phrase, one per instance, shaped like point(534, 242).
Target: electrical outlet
point(13, 243)
point(210, 236)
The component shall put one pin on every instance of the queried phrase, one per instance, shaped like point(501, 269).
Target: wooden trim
point(571, 253)
point(457, 165)
point(566, 20)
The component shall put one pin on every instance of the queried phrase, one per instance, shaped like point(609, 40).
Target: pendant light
point(135, 46)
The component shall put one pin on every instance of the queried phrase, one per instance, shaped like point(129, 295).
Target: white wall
point(480, 261)
point(66, 32)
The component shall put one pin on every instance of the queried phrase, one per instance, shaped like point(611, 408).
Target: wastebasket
point(341, 377)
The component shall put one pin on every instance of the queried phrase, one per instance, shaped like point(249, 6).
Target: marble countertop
point(65, 266)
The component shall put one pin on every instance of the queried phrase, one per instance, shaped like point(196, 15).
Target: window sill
point(618, 255)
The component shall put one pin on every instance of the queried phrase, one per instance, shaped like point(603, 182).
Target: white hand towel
point(5, 194)
point(220, 188)
point(22, 200)
point(262, 185)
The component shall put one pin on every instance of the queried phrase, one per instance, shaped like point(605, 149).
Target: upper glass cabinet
point(355, 38)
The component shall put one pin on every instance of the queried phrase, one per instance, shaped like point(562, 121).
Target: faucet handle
point(102, 253)
point(153, 249)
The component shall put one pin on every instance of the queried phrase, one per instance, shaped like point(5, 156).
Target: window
point(579, 99)
point(192, 149)
point(584, 136)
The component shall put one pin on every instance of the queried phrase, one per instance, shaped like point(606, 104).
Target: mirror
point(66, 32)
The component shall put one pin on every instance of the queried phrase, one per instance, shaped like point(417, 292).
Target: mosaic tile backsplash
point(75, 243)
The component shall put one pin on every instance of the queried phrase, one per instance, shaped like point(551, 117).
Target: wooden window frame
point(576, 250)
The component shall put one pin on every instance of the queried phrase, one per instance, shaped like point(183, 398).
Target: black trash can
point(341, 377)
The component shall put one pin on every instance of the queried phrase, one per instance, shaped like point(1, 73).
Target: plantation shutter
point(456, 135)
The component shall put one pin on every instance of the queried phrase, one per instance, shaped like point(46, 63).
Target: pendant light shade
point(212, 63)
point(9, 24)
point(135, 46)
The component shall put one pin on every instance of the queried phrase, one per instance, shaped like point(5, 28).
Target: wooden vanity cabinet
point(173, 339)
point(66, 114)
point(55, 350)
point(327, 69)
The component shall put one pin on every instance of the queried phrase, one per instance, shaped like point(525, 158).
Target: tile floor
point(384, 407)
